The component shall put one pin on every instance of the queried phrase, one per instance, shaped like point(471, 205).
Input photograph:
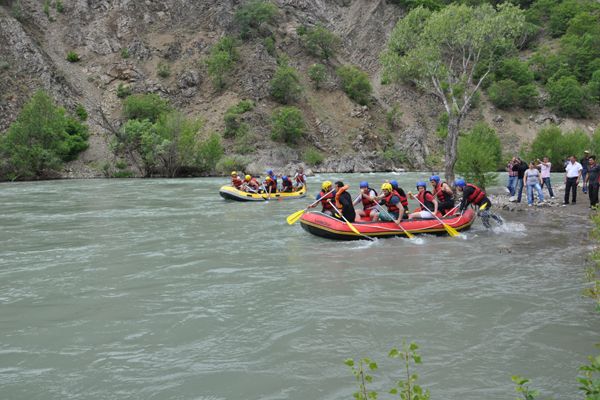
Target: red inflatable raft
point(325, 226)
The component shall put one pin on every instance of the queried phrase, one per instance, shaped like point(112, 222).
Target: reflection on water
point(161, 289)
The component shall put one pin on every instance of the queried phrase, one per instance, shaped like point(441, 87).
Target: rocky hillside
point(124, 41)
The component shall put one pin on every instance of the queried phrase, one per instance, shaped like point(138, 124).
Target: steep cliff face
point(35, 41)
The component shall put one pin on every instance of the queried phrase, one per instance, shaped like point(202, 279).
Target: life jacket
point(422, 197)
point(271, 184)
point(236, 182)
point(287, 184)
point(300, 178)
point(403, 200)
point(440, 194)
point(338, 193)
point(393, 208)
point(366, 201)
point(477, 196)
point(324, 197)
point(253, 183)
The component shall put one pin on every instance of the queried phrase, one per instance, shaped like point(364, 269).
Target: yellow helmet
point(247, 177)
point(233, 173)
point(386, 186)
point(268, 178)
point(326, 185)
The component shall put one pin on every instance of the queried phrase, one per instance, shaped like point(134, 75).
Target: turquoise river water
point(160, 289)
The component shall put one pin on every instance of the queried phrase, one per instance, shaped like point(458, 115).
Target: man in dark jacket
point(519, 167)
point(585, 163)
point(343, 202)
point(591, 180)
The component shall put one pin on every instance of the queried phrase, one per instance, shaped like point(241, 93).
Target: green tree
point(40, 140)
point(528, 96)
point(145, 106)
point(320, 42)
point(317, 74)
point(254, 17)
point(285, 85)
point(568, 97)
point(355, 83)
point(551, 142)
point(222, 59)
point(503, 94)
point(287, 124)
point(439, 51)
point(210, 152)
point(593, 86)
point(514, 69)
point(479, 155)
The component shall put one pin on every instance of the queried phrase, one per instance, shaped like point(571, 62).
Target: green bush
point(233, 124)
point(81, 112)
point(232, 163)
point(528, 96)
point(285, 85)
point(40, 140)
point(73, 57)
point(320, 42)
point(514, 69)
point(442, 127)
point(222, 59)
point(145, 106)
point(59, 6)
point(163, 70)
point(210, 152)
point(269, 43)
point(123, 91)
point(393, 117)
point(568, 97)
point(355, 83)
point(552, 143)
point(245, 142)
point(253, 17)
point(317, 74)
point(479, 155)
point(503, 94)
point(544, 64)
point(561, 15)
point(313, 157)
point(593, 86)
point(287, 124)
point(124, 53)
point(395, 156)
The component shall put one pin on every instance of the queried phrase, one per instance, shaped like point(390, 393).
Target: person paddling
point(343, 202)
point(270, 185)
point(477, 197)
point(299, 179)
point(367, 198)
point(443, 193)
point(251, 184)
point(391, 199)
point(236, 182)
point(286, 184)
point(325, 195)
point(429, 204)
point(403, 198)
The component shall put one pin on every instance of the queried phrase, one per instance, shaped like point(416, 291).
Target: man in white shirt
point(572, 177)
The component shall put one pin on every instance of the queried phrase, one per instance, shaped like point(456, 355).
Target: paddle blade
point(354, 229)
point(451, 231)
point(409, 235)
point(292, 218)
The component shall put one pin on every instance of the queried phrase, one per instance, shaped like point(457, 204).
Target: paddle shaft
point(407, 233)
point(448, 228)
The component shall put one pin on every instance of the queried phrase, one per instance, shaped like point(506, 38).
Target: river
point(160, 289)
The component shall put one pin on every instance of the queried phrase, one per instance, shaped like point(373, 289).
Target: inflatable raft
point(231, 193)
point(325, 226)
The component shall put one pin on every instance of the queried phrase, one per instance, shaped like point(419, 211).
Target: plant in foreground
point(360, 372)
point(523, 388)
point(408, 389)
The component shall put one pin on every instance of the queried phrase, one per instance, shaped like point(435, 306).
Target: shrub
point(244, 141)
point(593, 86)
point(503, 94)
point(287, 124)
point(223, 57)
point(561, 15)
point(479, 155)
point(59, 6)
point(40, 140)
point(551, 142)
point(568, 97)
point(316, 73)
point(545, 64)
point(528, 96)
point(46, 8)
point(514, 69)
point(72, 57)
point(145, 106)
point(313, 157)
point(233, 124)
point(393, 117)
point(395, 156)
point(233, 163)
point(442, 127)
point(253, 17)
point(123, 91)
point(269, 43)
point(285, 85)
point(320, 42)
point(81, 112)
point(163, 70)
point(355, 84)
point(210, 152)
point(125, 53)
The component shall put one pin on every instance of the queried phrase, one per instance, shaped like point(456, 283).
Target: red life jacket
point(300, 178)
point(366, 201)
point(403, 200)
point(271, 184)
point(324, 197)
point(393, 208)
point(286, 185)
point(426, 198)
point(440, 194)
point(253, 183)
point(236, 182)
point(477, 196)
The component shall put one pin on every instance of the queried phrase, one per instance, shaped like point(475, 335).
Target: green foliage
point(503, 94)
point(442, 127)
point(287, 124)
point(125, 53)
point(233, 163)
point(592, 273)
point(210, 152)
point(145, 106)
point(254, 17)
point(514, 69)
point(590, 381)
point(355, 84)
point(551, 142)
point(163, 69)
point(73, 57)
point(317, 74)
point(568, 97)
point(528, 96)
point(408, 389)
point(233, 124)
point(123, 91)
point(320, 42)
point(593, 86)
point(479, 155)
point(393, 117)
point(427, 4)
point(58, 5)
point(285, 85)
point(81, 112)
point(222, 59)
point(313, 156)
point(269, 43)
point(561, 15)
point(361, 371)
point(17, 11)
point(46, 8)
point(395, 156)
point(40, 140)
point(545, 63)
point(523, 388)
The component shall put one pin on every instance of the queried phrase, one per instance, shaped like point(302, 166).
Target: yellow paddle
point(407, 233)
point(292, 218)
point(451, 231)
point(348, 222)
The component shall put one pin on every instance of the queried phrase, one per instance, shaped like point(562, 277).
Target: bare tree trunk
point(451, 146)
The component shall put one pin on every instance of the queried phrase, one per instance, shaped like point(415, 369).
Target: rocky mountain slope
point(35, 38)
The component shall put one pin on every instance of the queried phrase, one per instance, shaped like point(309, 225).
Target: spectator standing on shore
point(520, 167)
point(584, 164)
point(545, 166)
point(512, 176)
point(593, 173)
point(533, 180)
point(572, 177)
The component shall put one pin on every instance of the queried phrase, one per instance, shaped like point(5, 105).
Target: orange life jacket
point(477, 196)
point(236, 182)
point(338, 193)
point(440, 194)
